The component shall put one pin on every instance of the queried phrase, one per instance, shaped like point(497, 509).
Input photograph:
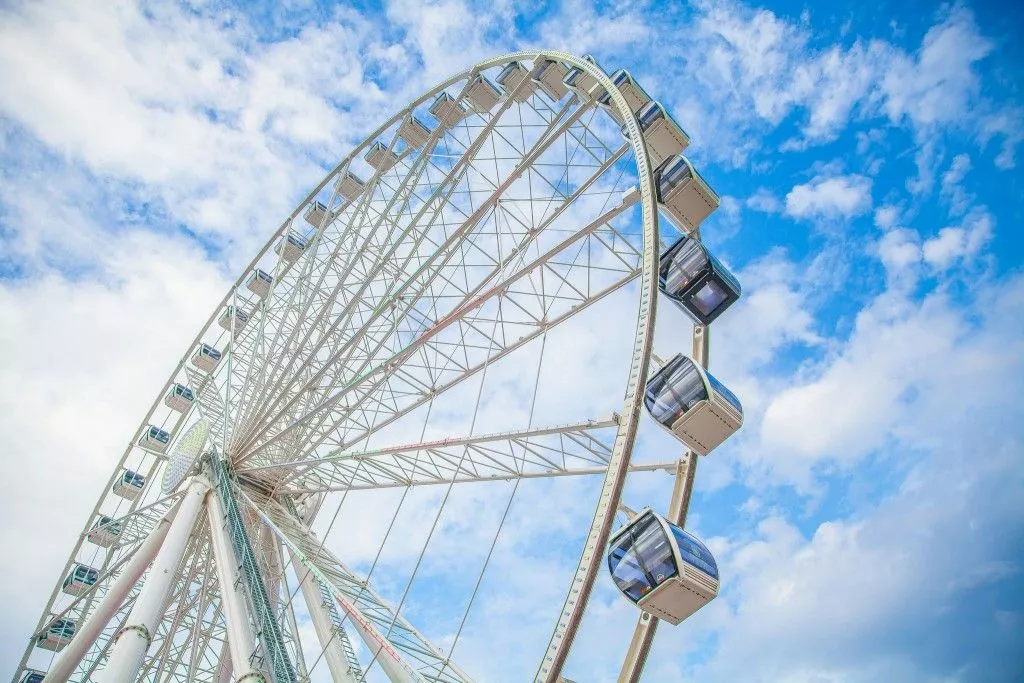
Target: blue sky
point(867, 519)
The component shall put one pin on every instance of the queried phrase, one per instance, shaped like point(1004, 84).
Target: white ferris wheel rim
point(628, 418)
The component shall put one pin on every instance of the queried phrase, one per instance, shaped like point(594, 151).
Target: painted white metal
point(88, 632)
point(252, 336)
point(678, 507)
point(136, 636)
point(241, 640)
point(334, 655)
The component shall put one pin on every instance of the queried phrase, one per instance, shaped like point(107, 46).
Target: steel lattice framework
point(469, 244)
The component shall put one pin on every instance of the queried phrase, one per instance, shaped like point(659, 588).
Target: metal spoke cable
point(504, 515)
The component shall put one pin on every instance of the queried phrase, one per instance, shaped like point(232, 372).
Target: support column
point(679, 505)
point(241, 640)
point(134, 639)
point(88, 632)
point(337, 662)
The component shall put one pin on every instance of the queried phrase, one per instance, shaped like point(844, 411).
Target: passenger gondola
point(206, 358)
point(315, 214)
point(683, 193)
point(380, 157)
point(696, 281)
point(32, 676)
point(259, 282)
point(414, 132)
point(129, 485)
point(481, 94)
point(79, 579)
point(690, 403)
point(154, 439)
point(636, 97)
point(58, 634)
point(664, 570)
point(664, 137)
point(104, 532)
point(550, 78)
point(233, 316)
point(349, 186)
point(290, 247)
point(511, 76)
point(447, 111)
point(582, 83)
point(179, 397)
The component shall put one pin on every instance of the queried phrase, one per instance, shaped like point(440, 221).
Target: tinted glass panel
point(672, 391)
point(694, 552)
point(642, 558)
point(681, 264)
point(724, 392)
point(709, 297)
point(726, 275)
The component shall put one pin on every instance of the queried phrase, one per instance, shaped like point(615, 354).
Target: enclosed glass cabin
point(551, 79)
point(58, 634)
point(482, 94)
point(259, 282)
point(105, 531)
point(179, 397)
point(683, 194)
point(315, 214)
point(154, 439)
point(414, 132)
point(380, 157)
point(447, 111)
point(636, 97)
point(129, 485)
point(664, 137)
point(290, 247)
point(582, 83)
point(32, 676)
point(233, 316)
point(690, 403)
point(79, 579)
point(206, 358)
point(664, 570)
point(349, 186)
point(511, 76)
point(696, 281)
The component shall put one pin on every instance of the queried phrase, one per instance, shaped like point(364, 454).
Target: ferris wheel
point(409, 329)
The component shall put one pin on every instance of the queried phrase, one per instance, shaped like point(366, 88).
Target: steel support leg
point(337, 662)
point(241, 640)
point(87, 634)
point(135, 638)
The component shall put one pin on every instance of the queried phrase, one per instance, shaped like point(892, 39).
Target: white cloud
point(763, 200)
point(952, 188)
point(830, 198)
point(887, 216)
point(959, 243)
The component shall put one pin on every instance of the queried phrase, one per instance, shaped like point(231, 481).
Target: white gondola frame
point(678, 597)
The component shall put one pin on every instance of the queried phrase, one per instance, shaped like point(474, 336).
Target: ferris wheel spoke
point(378, 387)
point(449, 180)
point(549, 450)
point(424, 272)
point(425, 657)
point(463, 296)
point(343, 269)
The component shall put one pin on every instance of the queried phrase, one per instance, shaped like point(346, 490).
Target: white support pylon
point(241, 640)
point(87, 634)
point(337, 663)
point(134, 639)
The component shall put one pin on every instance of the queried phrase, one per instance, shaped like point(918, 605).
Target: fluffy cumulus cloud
point(866, 519)
point(838, 197)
